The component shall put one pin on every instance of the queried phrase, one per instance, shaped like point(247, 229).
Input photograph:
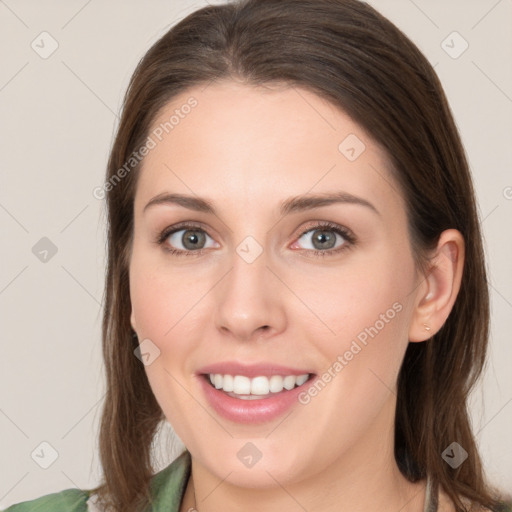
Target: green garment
point(167, 489)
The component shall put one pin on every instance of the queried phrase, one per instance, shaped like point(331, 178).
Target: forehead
point(227, 140)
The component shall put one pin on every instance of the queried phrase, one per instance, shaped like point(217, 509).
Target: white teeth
point(289, 381)
point(241, 385)
point(301, 379)
point(217, 382)
point(227, 384)
point(260, 386)
point(251, 389)
point(276, 384)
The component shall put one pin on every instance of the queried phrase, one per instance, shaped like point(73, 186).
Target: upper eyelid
point(197, 225)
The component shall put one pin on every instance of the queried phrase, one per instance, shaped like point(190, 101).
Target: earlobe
point(437, 296)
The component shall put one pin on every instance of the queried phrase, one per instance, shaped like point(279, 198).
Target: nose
point(249, 301)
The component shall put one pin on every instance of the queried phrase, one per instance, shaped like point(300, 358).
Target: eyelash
point(350, 239)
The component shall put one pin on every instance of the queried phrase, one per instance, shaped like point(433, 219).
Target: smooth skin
point(247, 150)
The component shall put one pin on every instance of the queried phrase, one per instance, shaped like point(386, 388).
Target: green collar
point(168, 485)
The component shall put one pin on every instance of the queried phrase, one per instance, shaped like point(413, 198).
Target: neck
point(366, 477)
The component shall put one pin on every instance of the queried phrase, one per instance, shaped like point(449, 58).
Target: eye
point(322, 239)
point(325, 238)
point(185, 240)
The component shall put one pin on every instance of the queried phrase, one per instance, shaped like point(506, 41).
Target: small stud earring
point(427, 327)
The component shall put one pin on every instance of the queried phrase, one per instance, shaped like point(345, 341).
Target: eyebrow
point(290, 205)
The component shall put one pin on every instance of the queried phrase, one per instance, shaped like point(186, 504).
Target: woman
point(315, 348)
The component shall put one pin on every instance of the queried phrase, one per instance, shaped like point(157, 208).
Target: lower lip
point(251, 411)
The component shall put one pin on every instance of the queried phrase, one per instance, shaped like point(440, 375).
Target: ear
point(132, 321)
point(437, 293)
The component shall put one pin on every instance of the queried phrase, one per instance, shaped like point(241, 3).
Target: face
point(244, 279)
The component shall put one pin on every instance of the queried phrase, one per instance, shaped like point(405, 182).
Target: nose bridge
point(248, 300)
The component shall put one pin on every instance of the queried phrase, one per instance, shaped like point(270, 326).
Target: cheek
point(368, 308)
point(362, 300)
point(162, 297)
point(173, 309)
point(163, 305)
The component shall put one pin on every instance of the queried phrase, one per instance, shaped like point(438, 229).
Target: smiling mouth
point(256, 388)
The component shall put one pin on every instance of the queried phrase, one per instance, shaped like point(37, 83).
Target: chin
point(251, 467)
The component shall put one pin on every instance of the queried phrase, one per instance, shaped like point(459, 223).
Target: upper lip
point(251, 370)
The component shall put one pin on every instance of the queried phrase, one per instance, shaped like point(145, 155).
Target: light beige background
point(58, 117)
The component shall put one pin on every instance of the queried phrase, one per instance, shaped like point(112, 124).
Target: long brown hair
point(346, 52)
